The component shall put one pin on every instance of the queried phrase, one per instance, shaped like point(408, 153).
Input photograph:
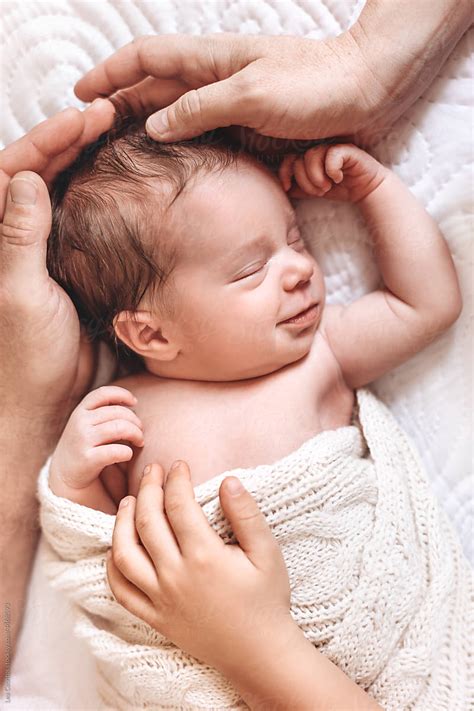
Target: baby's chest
point(217, 429)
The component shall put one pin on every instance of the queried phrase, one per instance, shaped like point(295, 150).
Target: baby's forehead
point(219, 213)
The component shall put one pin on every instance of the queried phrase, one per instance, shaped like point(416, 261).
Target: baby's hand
point(335, 172)
point(94, 437)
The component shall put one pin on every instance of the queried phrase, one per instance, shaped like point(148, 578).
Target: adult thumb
point(247, 521)
point(199, 110)
point(24, 232)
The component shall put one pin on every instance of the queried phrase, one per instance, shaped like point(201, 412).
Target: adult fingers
point(196, 60)
point(128, 555)
point(38, 147)
point(187, 519)
point(128, 595)
point(199, 110)
point(23, 235)
point(211, 65)
point(98, 117)
point(151, 522)
point(247, 521)
point(147, 96)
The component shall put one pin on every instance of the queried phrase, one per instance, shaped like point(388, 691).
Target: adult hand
point(354, 85)
point(39, 328)
point(169, 567)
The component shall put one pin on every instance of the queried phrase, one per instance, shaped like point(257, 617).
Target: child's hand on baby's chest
point(335, 172)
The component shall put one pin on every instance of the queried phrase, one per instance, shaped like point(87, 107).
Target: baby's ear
point(141, 332)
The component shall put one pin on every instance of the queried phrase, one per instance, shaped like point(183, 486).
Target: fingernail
point(124, 503)
point(234, 486)
point(23, 192)
point(147, 469)
point(158, 123)
point(175, 464)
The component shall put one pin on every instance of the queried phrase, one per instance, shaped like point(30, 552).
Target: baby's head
point(187, 254)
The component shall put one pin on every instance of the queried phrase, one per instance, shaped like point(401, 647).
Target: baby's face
point(245, 269)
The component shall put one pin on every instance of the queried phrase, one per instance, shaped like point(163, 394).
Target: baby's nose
point(299, 272)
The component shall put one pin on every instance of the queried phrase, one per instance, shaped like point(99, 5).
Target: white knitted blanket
point(378, 580)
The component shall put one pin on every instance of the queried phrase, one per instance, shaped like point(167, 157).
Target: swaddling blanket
point(379, 584)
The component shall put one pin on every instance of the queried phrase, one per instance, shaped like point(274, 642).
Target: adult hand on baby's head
point(262, 83)
point(356, 84)
point(39, 329)
point(168, 566)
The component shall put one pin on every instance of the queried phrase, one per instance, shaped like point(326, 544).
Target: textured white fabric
point(45, 46)
point(378, 580)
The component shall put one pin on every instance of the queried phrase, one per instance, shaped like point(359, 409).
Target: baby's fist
point(336, 172)
point(98, 433)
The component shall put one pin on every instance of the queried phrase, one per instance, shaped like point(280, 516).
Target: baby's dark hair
point(106, 247)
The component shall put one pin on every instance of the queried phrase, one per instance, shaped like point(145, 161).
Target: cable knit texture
point(379, 584)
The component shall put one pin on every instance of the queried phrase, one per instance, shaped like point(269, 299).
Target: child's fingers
point(129, 596)
point(187, 519)
point(128, 554)
point(152, 524)
point(303, 180)
point(115, 412)
point(285, 171)
point(334, 163)
point(108, 395)
point(117, 430)
point(106, 454)
point(314, 165)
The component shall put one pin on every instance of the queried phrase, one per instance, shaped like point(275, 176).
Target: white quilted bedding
point(47, 45)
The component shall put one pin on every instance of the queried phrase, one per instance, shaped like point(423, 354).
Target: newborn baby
point(191, 256)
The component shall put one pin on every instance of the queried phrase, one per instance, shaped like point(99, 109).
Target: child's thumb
point(247, 521)
point(24, 232)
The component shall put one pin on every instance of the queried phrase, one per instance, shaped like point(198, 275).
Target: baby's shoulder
point(136, 383)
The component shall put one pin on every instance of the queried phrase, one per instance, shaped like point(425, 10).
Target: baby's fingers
point(116, 431)
point(305, 183)
point(285, 171)
point(334, 163)
point(109, 395)
point(107, 454)
point(314, 166)
point(115, 412)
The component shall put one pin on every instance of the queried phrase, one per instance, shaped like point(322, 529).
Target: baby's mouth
point(305, 316)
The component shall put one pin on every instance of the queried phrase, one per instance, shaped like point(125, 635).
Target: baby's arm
point(93, 441)
point(420, 297)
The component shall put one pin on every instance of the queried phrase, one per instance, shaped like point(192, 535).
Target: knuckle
point(173, 504)
point(200, 558)
point(88, 454)
point(188, 105)
point(120, 557)
point(143, 520)
point(16, 230)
